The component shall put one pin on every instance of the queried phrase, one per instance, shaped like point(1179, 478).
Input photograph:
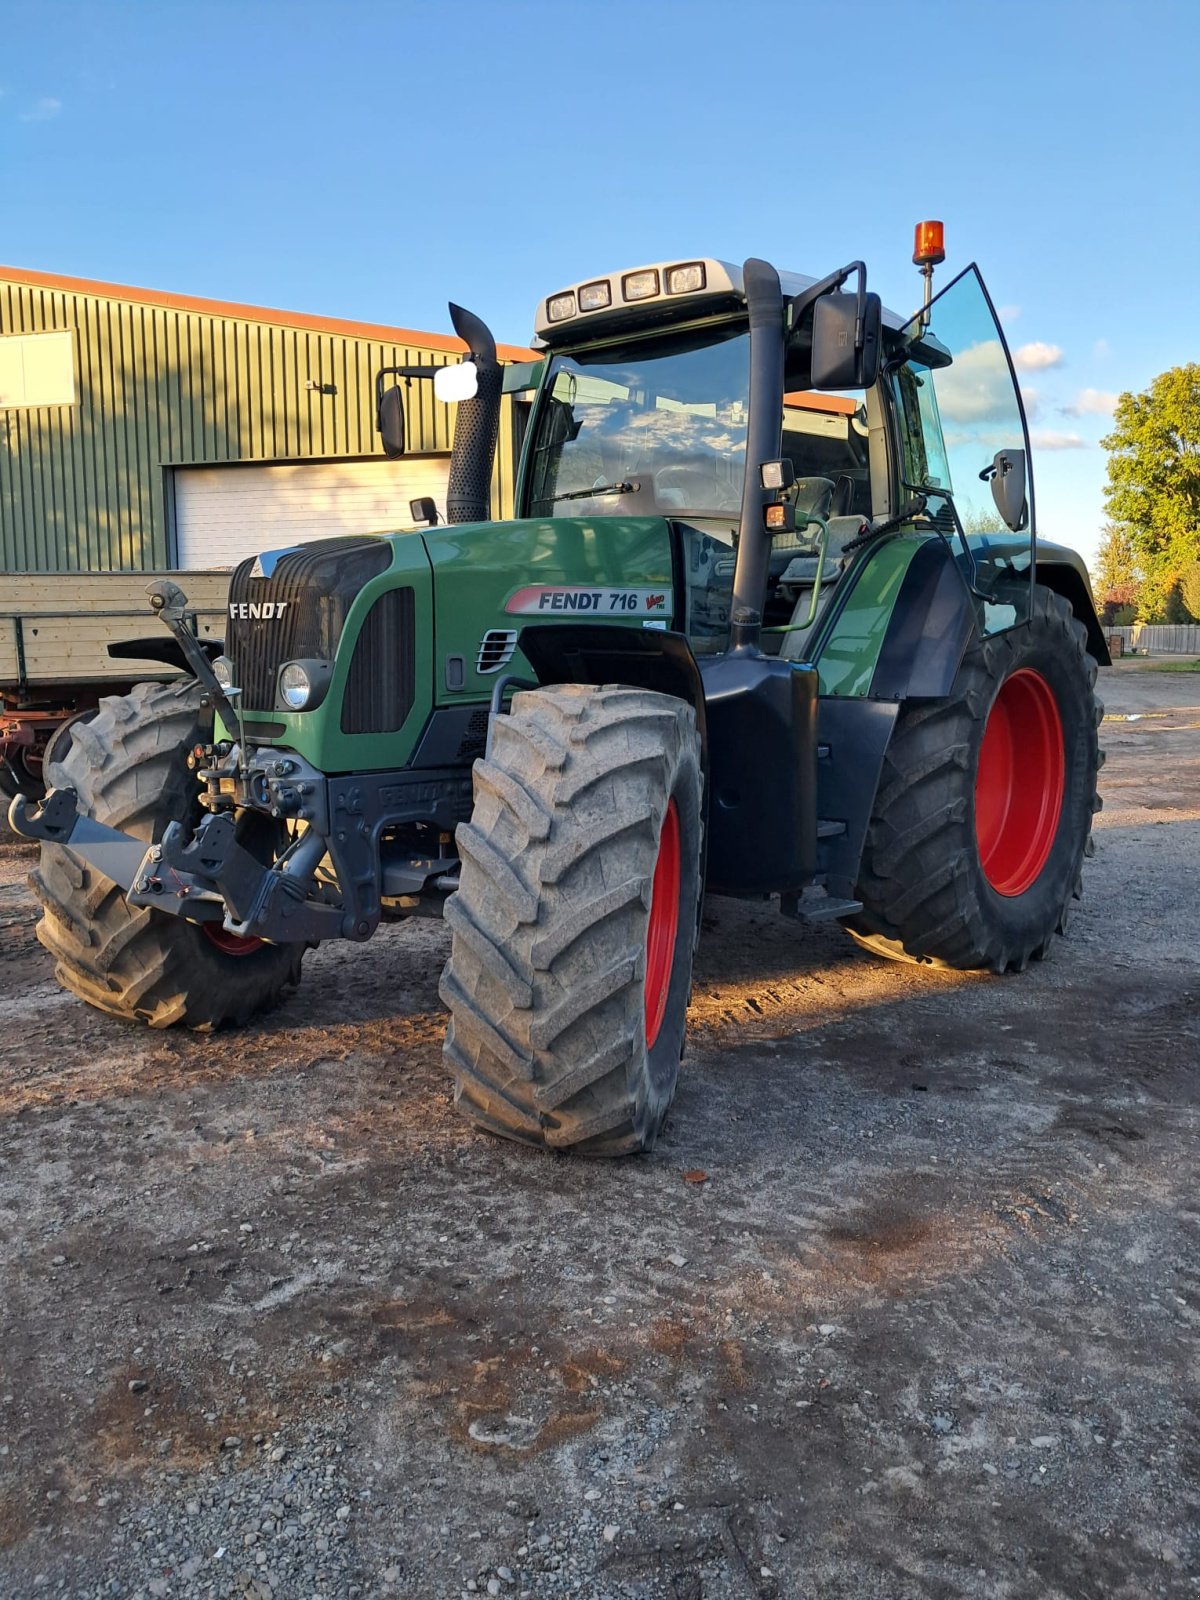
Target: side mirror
point(1007, 476)
point(839, 359)
point(390, 420)
point(424, 510)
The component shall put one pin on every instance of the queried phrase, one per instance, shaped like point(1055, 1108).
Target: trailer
point(68, 638)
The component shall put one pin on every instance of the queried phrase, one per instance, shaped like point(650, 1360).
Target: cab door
point(964, 445)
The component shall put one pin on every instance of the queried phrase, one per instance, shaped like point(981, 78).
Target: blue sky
point(373, 160)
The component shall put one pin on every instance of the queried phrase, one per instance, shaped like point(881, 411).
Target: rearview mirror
point(839, 359)
point(391, 420)
point(1007, 475)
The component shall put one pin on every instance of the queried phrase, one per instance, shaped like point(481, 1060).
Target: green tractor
point(771, 621)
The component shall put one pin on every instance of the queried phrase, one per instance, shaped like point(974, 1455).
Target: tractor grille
point(296, 612)
point(381, 685)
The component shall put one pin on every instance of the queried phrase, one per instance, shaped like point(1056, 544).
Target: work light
point(595, 296)
point(685, 279)
point(560, 306)
point(640, 285)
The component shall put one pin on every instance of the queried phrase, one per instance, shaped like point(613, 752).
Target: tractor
point(771, 621)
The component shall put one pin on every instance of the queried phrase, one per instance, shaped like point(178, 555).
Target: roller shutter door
point(224, 514)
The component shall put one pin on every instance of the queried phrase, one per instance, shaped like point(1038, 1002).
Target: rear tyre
point(128, 765)
point(575, 924)
point(984, 810)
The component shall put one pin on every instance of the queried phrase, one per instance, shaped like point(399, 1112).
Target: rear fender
point(1062, 570)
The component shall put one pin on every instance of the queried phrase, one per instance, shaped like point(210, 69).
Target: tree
point(1154, 480)
point(1118, 576)
point(1189, 589)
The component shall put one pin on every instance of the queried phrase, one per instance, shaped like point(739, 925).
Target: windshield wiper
point(601, 488)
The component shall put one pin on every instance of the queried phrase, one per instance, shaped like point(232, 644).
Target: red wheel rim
point(229, 944)
point(1020, 782)
point(663, 925)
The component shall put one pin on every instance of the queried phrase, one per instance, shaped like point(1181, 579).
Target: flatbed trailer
point(69, 638)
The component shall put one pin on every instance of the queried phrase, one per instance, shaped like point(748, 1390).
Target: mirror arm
point(801, 302)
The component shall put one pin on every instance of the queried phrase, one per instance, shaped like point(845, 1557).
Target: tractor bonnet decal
point(540, 599)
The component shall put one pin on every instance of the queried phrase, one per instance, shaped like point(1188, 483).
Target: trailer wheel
point(128, 764)
point(984, 810)
point(576, 921)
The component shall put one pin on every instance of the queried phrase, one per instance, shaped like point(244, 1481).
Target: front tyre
point(576, 920)
point(984, 810)
point(128, 764)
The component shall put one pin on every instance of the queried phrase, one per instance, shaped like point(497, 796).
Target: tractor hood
point(491, 579)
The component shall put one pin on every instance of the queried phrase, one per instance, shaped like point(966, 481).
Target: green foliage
point(1174, 611)
point(1118, 576)
point(1189, 588)
point(1153, 491)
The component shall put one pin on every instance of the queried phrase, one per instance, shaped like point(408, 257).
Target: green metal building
point(142, 431)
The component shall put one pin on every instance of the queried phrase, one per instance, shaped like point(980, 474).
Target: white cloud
point(1057, 441)
point(1008, 313)
point(1102, 350)
point(976, 387)
point(43, 110)
point(1092, 403)
point(1036, 357)
point(1032, 400)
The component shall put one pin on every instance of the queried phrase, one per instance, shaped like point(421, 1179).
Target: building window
point(37, 369)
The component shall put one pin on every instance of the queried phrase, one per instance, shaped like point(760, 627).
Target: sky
point(374, 160)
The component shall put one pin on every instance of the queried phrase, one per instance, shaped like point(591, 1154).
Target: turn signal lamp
point(640, 285)
point(929, 244)
point(560, 306)
point(595, 296)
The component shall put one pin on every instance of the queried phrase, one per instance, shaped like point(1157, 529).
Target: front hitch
point(57, 820)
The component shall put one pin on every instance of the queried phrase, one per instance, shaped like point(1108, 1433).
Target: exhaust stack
point(468, 494)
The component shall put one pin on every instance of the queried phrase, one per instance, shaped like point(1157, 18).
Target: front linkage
point(209, 876)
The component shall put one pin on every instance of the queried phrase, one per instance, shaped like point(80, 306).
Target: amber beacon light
point(929, 247)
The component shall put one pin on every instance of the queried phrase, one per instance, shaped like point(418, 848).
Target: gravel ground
point(905, 1303)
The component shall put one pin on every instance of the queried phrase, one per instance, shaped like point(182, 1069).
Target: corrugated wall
point(83, 487)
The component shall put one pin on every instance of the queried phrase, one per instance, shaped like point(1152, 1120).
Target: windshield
point(649, 427)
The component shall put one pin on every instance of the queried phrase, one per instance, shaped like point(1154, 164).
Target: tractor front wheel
point(128, 764)
point(984, 810)
point(576, 920)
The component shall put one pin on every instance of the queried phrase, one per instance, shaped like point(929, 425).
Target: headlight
point(223, 671)
point(295, 686)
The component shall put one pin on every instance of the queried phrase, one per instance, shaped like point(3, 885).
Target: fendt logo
point(257, 610)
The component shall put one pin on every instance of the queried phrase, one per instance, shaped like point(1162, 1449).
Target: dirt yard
point(905, 1304)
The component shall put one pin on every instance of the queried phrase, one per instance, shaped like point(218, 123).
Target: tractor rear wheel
point(984, 810)
point(576, 920)
point(128, 764)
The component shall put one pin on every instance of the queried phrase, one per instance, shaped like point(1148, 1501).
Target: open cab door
point(964, 445)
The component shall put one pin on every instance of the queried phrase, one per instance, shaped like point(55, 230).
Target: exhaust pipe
point(764, 303)
point(468, 494)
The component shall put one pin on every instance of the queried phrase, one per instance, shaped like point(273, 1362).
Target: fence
point(1175, 639)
